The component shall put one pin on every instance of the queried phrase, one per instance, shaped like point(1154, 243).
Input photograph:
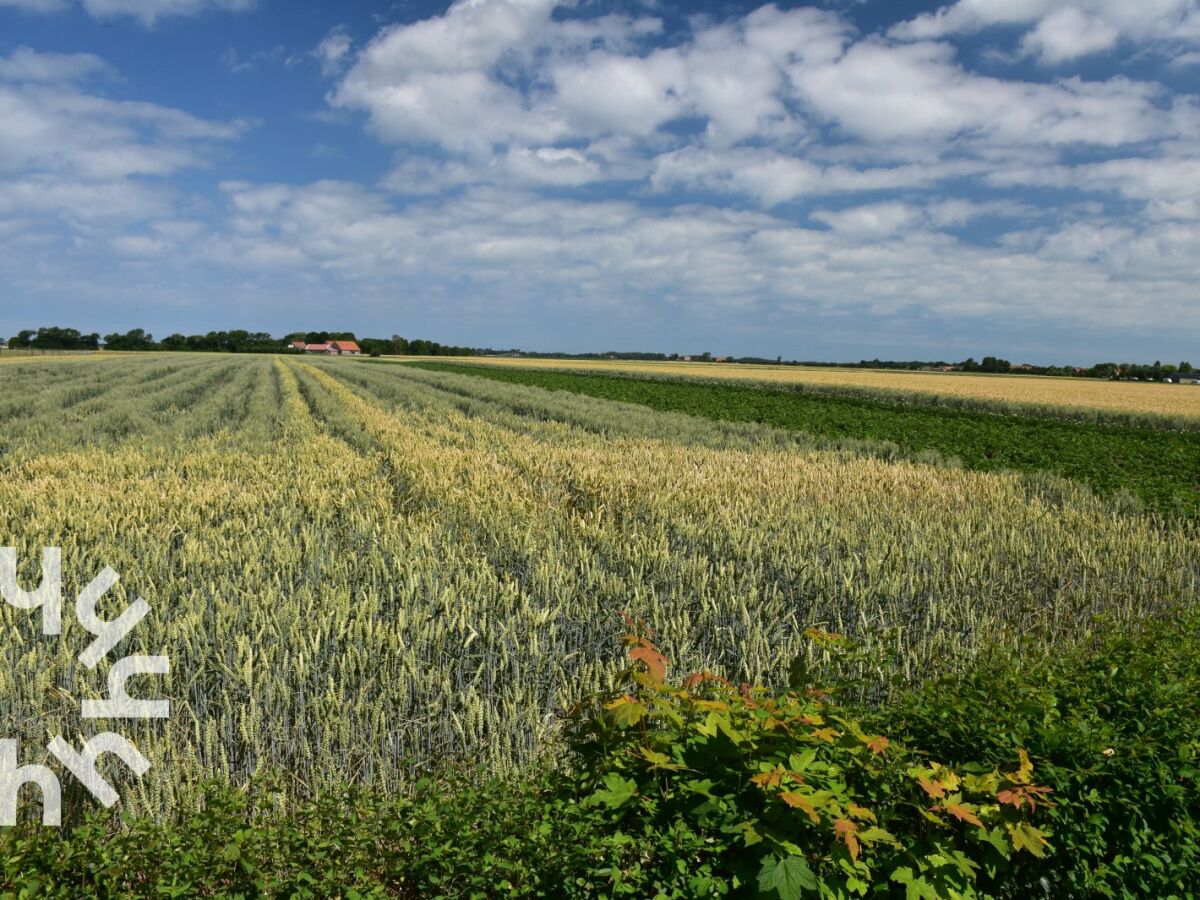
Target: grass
point(1161, 468)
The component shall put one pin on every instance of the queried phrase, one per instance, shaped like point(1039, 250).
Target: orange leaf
point(826, 734)
point(962, 812)
point(847, 831)
point(796, 800)
point(934, 789)
point(655, 662)
point(860, 812)
point(768, 779)
point(700, 677)
point(877, 744)
point(1016, 798)
point(1022, 794)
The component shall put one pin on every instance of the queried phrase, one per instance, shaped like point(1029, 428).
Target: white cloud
point(334, 49)
point(503, 87)
point(149, 12)
point(917, 92)
point(871, 222)
point(24, 64)
point(519, 250)
point(36, 6)
point(239, 64)
point(74, 158)
point(1067, 34)
point(1063, 31)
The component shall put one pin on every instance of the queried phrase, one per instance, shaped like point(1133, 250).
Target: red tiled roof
point(316, 348)
point(345, 345)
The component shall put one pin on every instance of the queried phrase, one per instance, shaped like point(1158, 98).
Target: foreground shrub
point(792, 796)
point(1113, 726)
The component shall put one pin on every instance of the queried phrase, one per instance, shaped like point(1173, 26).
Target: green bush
point(793, 797)
point(1113, 727)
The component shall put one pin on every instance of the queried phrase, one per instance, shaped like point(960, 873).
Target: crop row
point(1160, 468)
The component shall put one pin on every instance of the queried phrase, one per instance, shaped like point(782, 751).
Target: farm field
point(1156, 467)
point(363, 573)
point(1080, 394)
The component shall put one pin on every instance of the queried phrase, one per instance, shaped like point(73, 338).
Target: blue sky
point(830, 181)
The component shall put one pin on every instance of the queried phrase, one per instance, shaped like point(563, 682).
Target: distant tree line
point(989, 364)
point(237, 341)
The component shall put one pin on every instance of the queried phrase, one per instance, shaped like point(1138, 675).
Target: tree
point(54, 338)
point(137, 339)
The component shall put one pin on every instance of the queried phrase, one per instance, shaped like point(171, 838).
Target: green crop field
point(1159, 466)
point(363, 572)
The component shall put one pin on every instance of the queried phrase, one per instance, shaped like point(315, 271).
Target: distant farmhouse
point(330, 348)
point(3, 344)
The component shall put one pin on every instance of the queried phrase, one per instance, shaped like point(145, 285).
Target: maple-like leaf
point(826, 734)
point(1025, 773)
point(847, 832)
point(1021, 794)
point(768, 779)
point(625, 711)
point(1026, 837)
point(876, 743)
point(797, 800)
point(655, 662)
point(962, 812)
point(934, 789)
point(860, 812)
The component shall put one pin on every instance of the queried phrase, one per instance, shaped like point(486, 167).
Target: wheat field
point(362, 571)
point(1086, 394)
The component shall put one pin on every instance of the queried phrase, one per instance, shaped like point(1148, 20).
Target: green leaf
point(915, 886)
point(789, 877)
point(1026, 837)
point(619, 790)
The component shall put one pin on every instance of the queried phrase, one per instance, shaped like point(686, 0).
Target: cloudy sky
point(834, 181)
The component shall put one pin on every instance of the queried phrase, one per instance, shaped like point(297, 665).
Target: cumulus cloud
point(1069, 33)
point(520, 250)
point(1063, 31)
